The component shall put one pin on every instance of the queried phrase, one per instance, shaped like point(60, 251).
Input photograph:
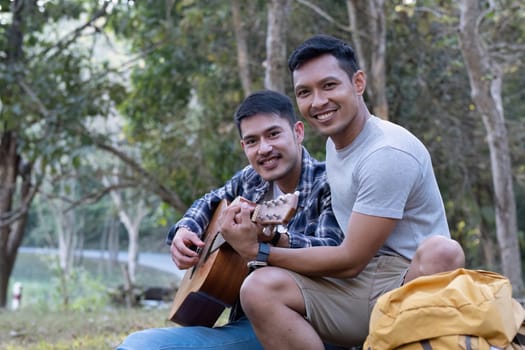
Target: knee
point(439, 254)
point(260, 286)
point(454, 254)
point(249, 287)
point(451, 253)
point(255, 284)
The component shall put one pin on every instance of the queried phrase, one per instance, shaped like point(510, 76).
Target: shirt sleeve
point(315, 224)
point(199, 215)
point(386, 180)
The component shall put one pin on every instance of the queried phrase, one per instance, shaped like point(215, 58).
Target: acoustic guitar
point(214, 282)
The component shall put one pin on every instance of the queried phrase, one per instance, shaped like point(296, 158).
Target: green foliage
point(53, 88)
point(504, 21)
point(173, 100)
point(77, 290)
point(87, 286)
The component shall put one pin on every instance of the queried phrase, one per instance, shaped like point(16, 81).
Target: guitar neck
point(278, 211)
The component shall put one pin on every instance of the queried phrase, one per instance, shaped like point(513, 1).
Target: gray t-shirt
point(386, 171)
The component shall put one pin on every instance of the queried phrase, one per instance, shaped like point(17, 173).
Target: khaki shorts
point(339, 309)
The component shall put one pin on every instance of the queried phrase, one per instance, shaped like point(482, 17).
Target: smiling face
point(331, 102)
point(273, 148)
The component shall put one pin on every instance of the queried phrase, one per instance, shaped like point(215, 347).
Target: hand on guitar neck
point(186, 245)
point(217, 271)
point(242, 226)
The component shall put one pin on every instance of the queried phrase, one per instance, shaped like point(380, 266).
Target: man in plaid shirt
point(271, 137)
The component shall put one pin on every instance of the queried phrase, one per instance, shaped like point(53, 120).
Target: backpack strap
point(519, 339)
point(426, 344)
point(468, 344)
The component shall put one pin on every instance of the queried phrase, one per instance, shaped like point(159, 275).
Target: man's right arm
point(185, 236)
point(199, 215)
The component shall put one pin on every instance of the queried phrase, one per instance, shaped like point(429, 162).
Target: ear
point(242, 144)
point(359, 81)
point(299, 131)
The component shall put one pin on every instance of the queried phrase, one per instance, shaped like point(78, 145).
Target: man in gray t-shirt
point(387, 172)
point(385, 198)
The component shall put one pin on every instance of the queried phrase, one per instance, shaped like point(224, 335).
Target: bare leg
point(436, 254)
point(274, 304)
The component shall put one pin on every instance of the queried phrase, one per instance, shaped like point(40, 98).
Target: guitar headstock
point(277, 211)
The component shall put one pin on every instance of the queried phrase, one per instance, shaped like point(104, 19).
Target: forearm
point(199, 215)
point(316, 261)
point(365, 234)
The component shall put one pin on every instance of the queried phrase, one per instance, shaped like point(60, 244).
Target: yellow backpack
point(461, 309)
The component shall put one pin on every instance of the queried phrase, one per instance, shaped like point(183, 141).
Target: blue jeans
point(237, 335)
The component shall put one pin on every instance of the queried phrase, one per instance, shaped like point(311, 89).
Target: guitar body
point(211, 285)
point(214, 282)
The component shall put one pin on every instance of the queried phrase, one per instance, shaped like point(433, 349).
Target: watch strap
point(264, 252)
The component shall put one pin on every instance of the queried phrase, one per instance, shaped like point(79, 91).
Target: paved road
point(159, 261)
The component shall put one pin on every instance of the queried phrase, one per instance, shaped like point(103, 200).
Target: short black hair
point(265, 101)
point(322, 44)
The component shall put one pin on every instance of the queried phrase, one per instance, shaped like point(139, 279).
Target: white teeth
point(324, 116)
point(269, 161)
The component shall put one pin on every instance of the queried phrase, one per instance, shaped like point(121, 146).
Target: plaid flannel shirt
point(313, 224)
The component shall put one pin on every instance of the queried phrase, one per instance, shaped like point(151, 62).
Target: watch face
point(257, 263)
point(254, 264)
point(281, 229)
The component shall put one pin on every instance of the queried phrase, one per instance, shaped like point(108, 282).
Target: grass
point(74, 330)
point(90, 321)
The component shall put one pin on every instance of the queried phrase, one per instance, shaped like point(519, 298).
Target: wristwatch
point(262, 257)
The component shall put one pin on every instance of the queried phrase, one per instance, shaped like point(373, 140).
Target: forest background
point(116, 115)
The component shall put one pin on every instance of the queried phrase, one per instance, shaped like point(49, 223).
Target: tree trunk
point(65, 222)
point(132, 225)
point(68, 227)
point(368, 26)
point(113, 241)
point(12, 171)
point(276, 71)
point(243, 57)
point(486, 76)
point(8, 175)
